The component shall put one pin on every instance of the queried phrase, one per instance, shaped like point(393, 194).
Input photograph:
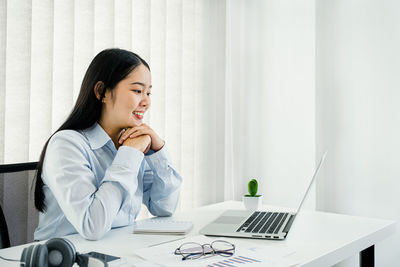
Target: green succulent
point(252, 187)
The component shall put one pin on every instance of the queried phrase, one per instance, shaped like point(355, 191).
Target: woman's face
point(126, 105)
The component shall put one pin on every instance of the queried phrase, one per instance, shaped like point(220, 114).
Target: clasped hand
point(142, 138)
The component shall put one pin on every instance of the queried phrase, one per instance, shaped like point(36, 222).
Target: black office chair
point(4, 237)
point(5, 169)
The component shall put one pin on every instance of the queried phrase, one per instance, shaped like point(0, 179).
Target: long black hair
point(110, 66)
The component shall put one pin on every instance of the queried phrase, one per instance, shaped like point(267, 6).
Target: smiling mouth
point(138, 115)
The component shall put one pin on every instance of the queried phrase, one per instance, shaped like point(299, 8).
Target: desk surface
point(318, 238)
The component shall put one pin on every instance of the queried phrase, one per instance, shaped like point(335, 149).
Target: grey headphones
point(58, 252)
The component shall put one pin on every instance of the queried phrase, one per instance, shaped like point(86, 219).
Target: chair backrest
point(18, 216)
point(4, 237)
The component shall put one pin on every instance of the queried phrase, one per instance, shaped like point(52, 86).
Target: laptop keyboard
point(263, 222)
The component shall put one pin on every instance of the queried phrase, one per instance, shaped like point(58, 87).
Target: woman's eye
point(137, 91)
point(148, 94)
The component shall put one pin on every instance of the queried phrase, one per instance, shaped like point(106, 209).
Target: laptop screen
point(312, 180)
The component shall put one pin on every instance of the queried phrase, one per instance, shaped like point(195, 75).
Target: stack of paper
point(162, 225)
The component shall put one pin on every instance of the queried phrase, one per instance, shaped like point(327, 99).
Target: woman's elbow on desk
point(95, 225)
point(93, 234)
point(162, 208)
point(162, 213)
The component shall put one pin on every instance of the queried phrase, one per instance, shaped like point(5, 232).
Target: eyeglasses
point(192, 250)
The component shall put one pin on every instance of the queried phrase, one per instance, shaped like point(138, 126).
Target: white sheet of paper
point(246, 252)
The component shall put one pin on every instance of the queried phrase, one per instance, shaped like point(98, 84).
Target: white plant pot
point(252, 203)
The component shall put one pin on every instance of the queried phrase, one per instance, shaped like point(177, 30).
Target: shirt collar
point(97, 136)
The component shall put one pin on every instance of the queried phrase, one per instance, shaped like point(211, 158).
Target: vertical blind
point(46, 47)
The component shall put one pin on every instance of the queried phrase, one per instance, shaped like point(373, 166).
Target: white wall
point(358, 117)
point(272, 51)
point(313, 75)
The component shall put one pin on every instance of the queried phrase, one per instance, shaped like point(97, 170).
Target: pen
point(167, 242)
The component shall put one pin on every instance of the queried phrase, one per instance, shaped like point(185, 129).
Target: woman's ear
point(99, 90)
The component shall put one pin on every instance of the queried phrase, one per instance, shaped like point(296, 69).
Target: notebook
point(162, 225)
point(269, 224)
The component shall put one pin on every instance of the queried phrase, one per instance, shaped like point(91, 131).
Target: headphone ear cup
point(34, 256)
point(26, 256)
point(39, 257)
point(61, 252)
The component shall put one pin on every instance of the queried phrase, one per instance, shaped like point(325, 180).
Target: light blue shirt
point(91, 187)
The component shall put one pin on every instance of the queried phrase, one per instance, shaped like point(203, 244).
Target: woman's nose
point(145, 101)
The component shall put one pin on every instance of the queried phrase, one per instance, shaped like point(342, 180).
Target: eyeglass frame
point(204, 253)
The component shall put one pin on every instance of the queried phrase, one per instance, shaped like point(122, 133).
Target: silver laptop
point(257, 224)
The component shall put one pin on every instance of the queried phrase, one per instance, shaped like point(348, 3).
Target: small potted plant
point(252, 201)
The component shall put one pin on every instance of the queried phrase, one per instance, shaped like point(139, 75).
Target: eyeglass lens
point(223, 248)
point(191, 250)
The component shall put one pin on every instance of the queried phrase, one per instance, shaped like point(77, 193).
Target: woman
point(103, 162)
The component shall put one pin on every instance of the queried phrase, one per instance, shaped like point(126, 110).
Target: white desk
point(319, 238)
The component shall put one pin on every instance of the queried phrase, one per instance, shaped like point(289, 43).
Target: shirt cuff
point(159, 160)
point(128, 157)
